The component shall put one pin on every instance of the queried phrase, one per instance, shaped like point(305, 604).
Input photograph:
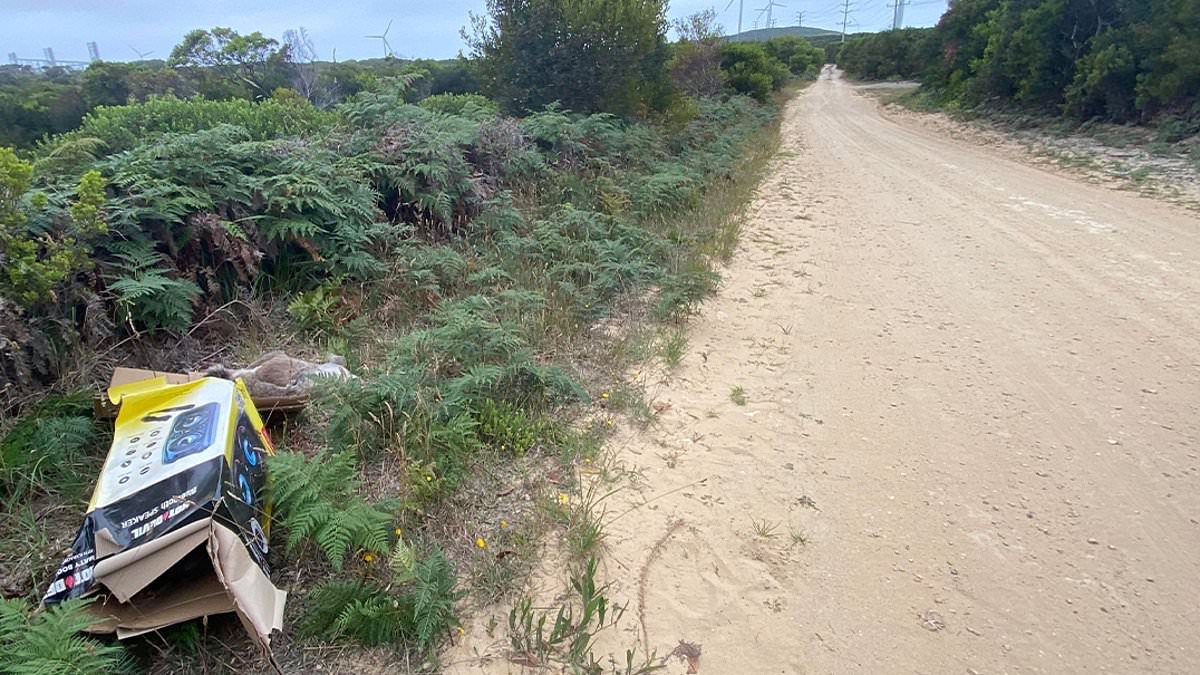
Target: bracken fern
point(318, 501)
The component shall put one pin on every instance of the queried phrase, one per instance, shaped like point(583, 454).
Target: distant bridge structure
point(48, 59)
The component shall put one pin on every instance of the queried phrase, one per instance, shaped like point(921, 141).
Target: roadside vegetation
point(1123, 63)
point(458, 244)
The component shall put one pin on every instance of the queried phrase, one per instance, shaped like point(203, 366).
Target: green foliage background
point(1122, 61)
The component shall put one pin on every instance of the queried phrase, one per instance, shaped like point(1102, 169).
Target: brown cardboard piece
point(198, 569)
point(233, 584)
point(122, 375)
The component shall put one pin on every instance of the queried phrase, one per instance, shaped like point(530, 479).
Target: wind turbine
point(140, 54)
point(771, 4)
point(740, 4)
point(759, 16)
point(387, 48)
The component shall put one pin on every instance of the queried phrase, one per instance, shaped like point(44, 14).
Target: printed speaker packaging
point(178, 526)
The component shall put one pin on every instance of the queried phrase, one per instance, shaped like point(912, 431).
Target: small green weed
point(573, 632)
point(510, 429)
point(673, 346)
point(738, 395)
point(320, 310)
point(583, 518)
point(629, 398)
point(1141, 174)
point(763, 528)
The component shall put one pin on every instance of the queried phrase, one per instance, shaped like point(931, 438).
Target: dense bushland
point(219, 65)
point(893, 55)
point(1116, 61)
point(703, 64)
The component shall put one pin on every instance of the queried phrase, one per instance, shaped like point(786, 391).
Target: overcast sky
point(427, 29)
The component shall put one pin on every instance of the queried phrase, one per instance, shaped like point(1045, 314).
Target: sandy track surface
point(971, 431)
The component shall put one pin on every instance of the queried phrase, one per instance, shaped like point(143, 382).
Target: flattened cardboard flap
point(257, 602)
point(201, 597)
point(234, 583)
point(127, 573)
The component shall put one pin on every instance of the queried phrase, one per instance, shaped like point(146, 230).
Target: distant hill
point(764, 34)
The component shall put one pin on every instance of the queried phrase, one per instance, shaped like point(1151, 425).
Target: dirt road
point(970, 432)
point(970, 437)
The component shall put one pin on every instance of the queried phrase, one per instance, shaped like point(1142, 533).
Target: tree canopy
point(1121, 60)
point(588, 55)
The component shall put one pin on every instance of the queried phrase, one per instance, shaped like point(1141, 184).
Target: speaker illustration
point(191, 432)
point(147, 449)
point(248, 461)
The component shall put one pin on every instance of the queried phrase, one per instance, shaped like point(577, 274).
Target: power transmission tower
point(93, 51)
point(845, 17)
point(898, 14)
point(800, 19)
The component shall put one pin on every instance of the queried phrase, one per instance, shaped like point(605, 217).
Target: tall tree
point(303, 56)
point(228, 63)
point(588, 55)
point(696, 60)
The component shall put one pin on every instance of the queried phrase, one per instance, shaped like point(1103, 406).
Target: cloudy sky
point(420, 28)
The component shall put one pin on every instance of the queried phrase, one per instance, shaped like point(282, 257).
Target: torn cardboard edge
point(106, 407)
point(235, 584)
point(178, 524)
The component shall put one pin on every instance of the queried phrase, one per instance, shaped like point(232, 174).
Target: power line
point(898, 14)
point(845, 17)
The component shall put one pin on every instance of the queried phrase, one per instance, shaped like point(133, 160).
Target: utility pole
point(741, 3)
point(845, 17)
point(898, 15)
point(800, 19)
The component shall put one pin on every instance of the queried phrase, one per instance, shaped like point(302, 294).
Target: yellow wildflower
point(604, 395)
point(503, 524)
point(480, 543)
point(369, 557)
point(399, 532)
point(563, 498)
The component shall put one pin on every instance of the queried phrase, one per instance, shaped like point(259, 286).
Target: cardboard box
point(178, 524)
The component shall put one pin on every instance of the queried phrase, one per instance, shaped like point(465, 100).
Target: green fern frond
point(47, 641)
point(318, 502)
